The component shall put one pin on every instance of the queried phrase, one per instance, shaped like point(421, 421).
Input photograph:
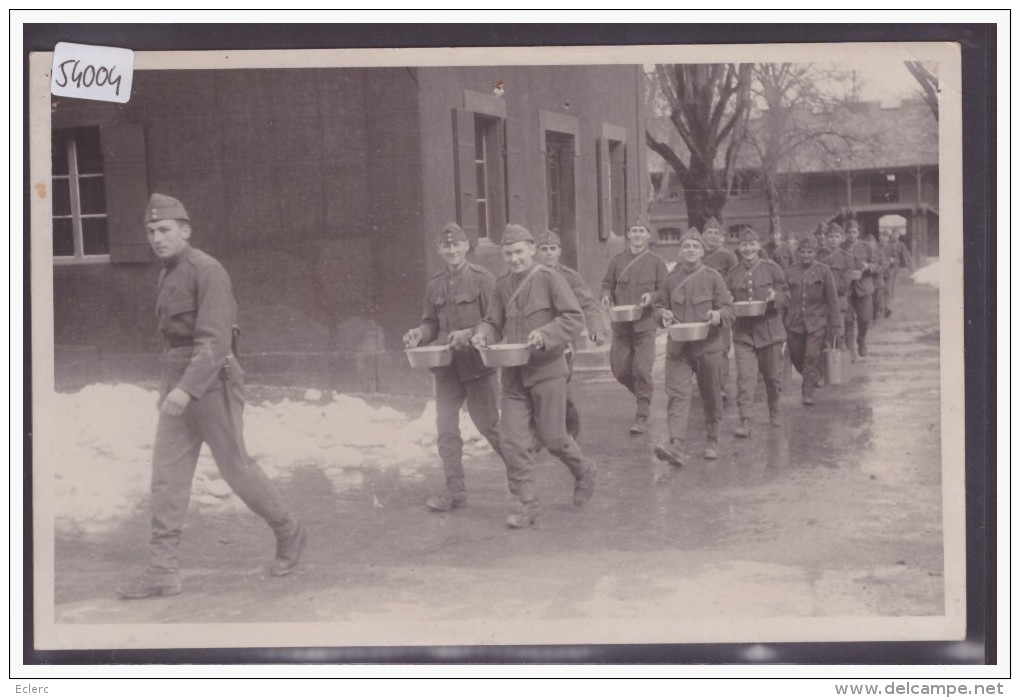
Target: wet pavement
point(835, 513)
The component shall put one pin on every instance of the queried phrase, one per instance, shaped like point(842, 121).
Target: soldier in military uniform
point(693, 292)
point(862, 291)
point(722, 259)
point(758, 341)
point(200, 401)
point(549, 251)
point(900, 257)
point(777, 250)
point(881, 292)
point(534, 305)
point(456, 299)
point(842, 265)
point(631, 279)
point(814, 306)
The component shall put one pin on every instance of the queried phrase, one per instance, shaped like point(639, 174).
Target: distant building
point(322, 190)
point(891, 182)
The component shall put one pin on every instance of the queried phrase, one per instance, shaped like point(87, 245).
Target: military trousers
point(881, 303)
point(544, 406)
point(219, 423)
point(751, 360)
point(573, 415)
point(893, 275)
point(681, 373)
point(726, 335)
point(806, 355)
point(481, 396)
point(631, 356)
point(863, 309)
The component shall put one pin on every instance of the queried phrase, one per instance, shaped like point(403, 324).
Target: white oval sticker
point(92, 72)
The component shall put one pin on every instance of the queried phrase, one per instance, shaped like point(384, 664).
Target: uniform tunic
point(536, 392)
point(781, 254)
point(862, 291)
point(196, 312)
point(458, 300)
point(690, 295)
point(841, 263)
point(814, 305)
point(757, 341)
point(632, 351)
point(722, 260)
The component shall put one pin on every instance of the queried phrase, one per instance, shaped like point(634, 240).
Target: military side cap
point(639, 222)
point(692, 234)
point(161, 207)
point(452, 232)
point(835, 228)
point(549, 238)
point(749, 234)
point(713, 224)
point(807, 243)
point(516, 233)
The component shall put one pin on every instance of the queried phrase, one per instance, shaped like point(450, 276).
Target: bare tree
point(929, 83)
point(798, 109)
point(708, 106)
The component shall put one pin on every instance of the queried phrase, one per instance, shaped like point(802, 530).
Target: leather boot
point(291, 537)
point(153, 581)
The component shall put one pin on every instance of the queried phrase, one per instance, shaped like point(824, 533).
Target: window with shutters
point(79, 196)
point(612, 170)
point(480, 174)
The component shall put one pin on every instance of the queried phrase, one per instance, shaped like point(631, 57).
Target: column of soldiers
point(538, 302)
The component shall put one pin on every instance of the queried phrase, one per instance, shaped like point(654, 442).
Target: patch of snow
point(929, 274)
point(104, 439)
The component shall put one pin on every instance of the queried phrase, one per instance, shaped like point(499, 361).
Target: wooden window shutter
point(127, 191)
point(605, 198)
point(464, 172)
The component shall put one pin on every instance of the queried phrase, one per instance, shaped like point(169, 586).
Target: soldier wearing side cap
point(456, 299)
point(549, 250)
point(862, 291)
point(693, 292)
point(842, 264)
point(814, 308)
point(777, 250)
point(722, 259)
point(534, 305)
point(632, 277)
point(200, 401)
point(758, 340)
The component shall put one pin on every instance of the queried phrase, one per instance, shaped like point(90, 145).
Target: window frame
point(70, 138)
point(612, 161)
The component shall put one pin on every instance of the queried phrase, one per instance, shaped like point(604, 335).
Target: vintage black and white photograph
point(458, 347)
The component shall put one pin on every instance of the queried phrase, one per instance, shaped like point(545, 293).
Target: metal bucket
point(625, 313)
point(835, 365)
point(688, 331)
point(749, 308)
point(429, 357)
point(505, 355)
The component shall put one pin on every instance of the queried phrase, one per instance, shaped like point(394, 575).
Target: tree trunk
point(772, 198)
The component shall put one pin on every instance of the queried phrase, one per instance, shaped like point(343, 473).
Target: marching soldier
point(900, 256)
point(814, 306)
point(778, 251)
point(549, 250)
point(722, 259)
point(534, 305)
point(842, 265)
point(693, 292)
point(862, 291)
point(201, 401)
point(881, 304)
point(758, 341)
point(631, 279)
point(456, 300)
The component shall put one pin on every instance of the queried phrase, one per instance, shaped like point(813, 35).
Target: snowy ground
point(929, 273)
point(105, 435)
